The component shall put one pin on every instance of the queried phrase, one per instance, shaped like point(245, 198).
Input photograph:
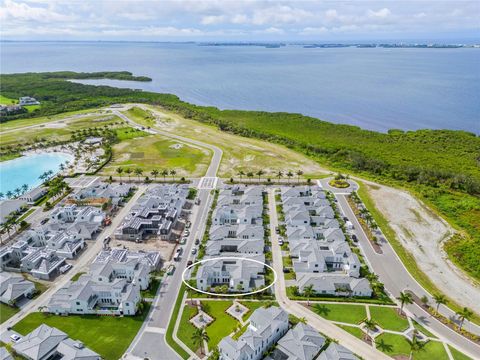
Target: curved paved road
point(396, 278)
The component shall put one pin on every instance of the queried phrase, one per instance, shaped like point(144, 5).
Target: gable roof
point(40, 342)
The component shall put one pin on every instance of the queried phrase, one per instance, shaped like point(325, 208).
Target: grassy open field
point(158, 152)
point(17, 124)
point(239, 153)
point(108, 336)
point(57, 131)
point(141, 116)
point(397, 345)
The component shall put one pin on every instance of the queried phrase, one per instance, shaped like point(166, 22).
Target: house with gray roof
point(239, 275)
point(112, 192)
point(112, 285)
point(33, 195)
point(46, 343)
point(337, 352)
point(266, 327)
point(14, 287)
point(9, 207)
point(335, 284)
point(302, 342)
point(40, 344)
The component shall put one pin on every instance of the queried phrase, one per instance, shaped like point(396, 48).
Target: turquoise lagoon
point(27, 169)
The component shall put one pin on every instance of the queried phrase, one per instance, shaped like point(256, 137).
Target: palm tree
point(289, 175)
point(8, 226)
point(302, 320)
point(9, 194)
point(241, 173)
point(370, 325)
point(24, 188)
point(164, 174)
point(299, 173)
point(250, 175)
point(440, 299)
point(119, 172)
point(307, 292)
point(138, 172)
point(464, 314)
point(259, 174)
point(279, 174)
point(154, 173)
point(2, 195)
point(404, 298)
point(17, 191)
point(415, 344)
point(128, 171)
point(173, 172)
point(199, 336)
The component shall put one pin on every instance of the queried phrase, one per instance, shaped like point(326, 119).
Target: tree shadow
point(322, 310)
point(383, 346)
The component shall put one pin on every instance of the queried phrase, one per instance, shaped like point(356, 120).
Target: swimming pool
point(27, 169)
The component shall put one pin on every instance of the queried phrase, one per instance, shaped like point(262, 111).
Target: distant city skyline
point(247, 20)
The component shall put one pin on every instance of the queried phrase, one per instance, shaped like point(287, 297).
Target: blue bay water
point(27, 169)
point(374, 88)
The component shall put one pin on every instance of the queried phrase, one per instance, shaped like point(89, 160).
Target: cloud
point(383, 13)
point(250, 19)
point(22, 11)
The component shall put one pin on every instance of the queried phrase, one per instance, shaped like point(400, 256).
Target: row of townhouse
point(112, 285)
point(236, 233)
point(156, 213)
point(269, 327)
point(321, 255)
point(42, 251)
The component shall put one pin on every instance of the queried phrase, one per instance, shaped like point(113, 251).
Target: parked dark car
point(189, 262)
point(197, 241)
point(44, 221)
point(354, 238)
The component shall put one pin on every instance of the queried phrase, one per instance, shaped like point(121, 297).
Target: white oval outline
point(228, 295)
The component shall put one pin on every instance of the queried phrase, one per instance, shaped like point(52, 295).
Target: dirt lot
point(166, 248)
point(422, 233)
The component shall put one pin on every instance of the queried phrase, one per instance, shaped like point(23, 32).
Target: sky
point(239, 20)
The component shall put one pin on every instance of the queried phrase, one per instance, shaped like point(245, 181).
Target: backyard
point(108, 336)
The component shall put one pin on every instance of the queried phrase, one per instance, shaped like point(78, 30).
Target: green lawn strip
point(223, 325)
point(77, 276)
point(239, 333)
point(287, 261)
point(152, 289)
point(388, 318)
point(352, 314)
point(292, 296)
point(127, 133)
point(171, 325)
point(458, 355)
point(357, 332)
point(423, 330)
point(186, 329)
point(407, 259)
point(290, 275)
point(107, 335)
point(6, 312)
point(25, 215)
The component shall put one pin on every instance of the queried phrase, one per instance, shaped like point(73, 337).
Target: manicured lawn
point(388, 318)
point(352, 314)
point(457, 355)
point(432, 350)
point(171, 325)
point(158, 152)
point(290, 275)
point(6, 312)
point(287, 261)
point(223, 325)
point(357, 332)
point(392, 344)
point(108, 336)
point(186, 329)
